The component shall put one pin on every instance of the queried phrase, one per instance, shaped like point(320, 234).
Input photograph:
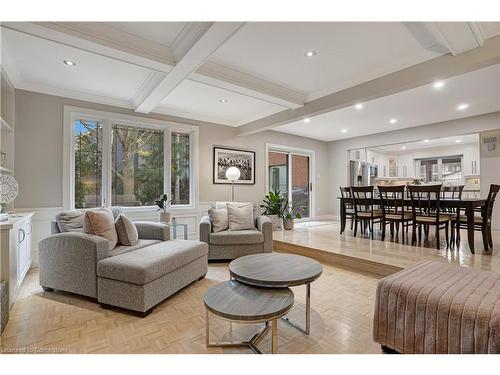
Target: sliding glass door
point(290, 173)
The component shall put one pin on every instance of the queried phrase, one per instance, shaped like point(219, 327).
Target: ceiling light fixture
point(462, 107)
point(307, 120)
point(403, 148)
point(358, 106)
point(69, 62)
point(393, 120)
point(426, 140)
point(438, 84)
point(310, 53)
point(344, 130)
point(223, 100)
point(458, 141)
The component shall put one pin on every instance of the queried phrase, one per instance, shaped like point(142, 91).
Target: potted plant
point(273, 205)
point(289, 214)
point(163, 204)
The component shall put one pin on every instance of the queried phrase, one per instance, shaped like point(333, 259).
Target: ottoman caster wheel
point(47, 289)
point(202, 277)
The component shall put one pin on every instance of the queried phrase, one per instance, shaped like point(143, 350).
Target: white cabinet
point(471, 160)
point(380, 160)
point(406, 166)
point(358, 155)
point(15, 251)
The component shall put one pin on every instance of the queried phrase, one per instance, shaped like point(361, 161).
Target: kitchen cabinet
point(471, 160)
point(406, 166)
point(15, 251)
point(358, 154)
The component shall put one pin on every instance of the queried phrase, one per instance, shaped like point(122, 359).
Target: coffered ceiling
point(255, 75)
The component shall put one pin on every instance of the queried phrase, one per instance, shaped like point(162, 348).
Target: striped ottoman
point(433, 307)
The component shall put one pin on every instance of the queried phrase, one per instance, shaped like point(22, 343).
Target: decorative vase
point(165, 217)
point(288, 224)
point(276, 221)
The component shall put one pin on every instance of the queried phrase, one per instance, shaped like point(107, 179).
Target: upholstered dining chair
point(345, 192)
point(426, 212)
point(394, 211)
point(364, 210)
point(482, 222)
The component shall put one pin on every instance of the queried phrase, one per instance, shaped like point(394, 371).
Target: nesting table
point(259, 292)
point(241, 303)
point(273, 270)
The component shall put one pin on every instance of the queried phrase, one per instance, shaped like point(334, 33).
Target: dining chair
point(394, 211)
point(345, 192)
point(482, 222)
point(425, 201)
point(364, 211)
point(453, 192)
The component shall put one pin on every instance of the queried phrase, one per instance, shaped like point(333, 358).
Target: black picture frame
point(225, 157)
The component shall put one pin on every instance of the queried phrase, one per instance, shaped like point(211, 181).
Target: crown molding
point(73, 38)
point(188, 36)
point(213, 37)
point(218, 75)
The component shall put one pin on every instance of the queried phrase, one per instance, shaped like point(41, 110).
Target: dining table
point(469, 205)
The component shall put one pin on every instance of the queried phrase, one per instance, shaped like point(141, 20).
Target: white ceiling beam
point(447, 37)
point(217, 75)
point(418, 75)
point(207, 43)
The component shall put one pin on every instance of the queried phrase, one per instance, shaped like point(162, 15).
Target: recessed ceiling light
point(69, 62)
point(358, 106)
point(223, 100)
point(393, 120)
point(344, 130)
point(458, 141)
point(426, 140)
point(306, 120)
point(438, 84)
point(462, 106)
point(403, 148)
point(310, 53)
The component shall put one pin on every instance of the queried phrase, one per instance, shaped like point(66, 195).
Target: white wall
point(338, 150)
point(39, 152)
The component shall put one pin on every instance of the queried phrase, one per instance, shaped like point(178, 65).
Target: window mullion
point(106, 162)
point(167, 137)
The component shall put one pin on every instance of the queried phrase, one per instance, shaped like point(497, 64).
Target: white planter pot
point(165, 217)
point(277, 222)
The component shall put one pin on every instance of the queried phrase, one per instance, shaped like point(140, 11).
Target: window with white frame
point(129, 163)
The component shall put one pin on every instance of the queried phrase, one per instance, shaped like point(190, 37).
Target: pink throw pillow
point(101, 223)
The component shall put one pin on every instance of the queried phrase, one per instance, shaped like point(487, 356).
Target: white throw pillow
point(219, 219)
point(240, 216)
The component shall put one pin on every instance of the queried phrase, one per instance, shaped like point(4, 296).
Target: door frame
point(312, 172)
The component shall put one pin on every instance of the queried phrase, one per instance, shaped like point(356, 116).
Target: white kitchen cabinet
point(15, 251)
point(358, 154)
point(380, 160)
point(471, 160)
point(406, 166)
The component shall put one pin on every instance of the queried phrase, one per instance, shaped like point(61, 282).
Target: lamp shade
point(233, 174)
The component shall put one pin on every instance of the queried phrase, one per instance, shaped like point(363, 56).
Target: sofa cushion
point(223, 205)
point(240, 237)
point(122, 249)
point(126, 231)
point(149, 263)
point(218, 219)
point(101, 223)
point(240, 216)
point(70, 221)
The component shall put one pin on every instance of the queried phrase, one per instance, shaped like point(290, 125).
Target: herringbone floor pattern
point(342, 308)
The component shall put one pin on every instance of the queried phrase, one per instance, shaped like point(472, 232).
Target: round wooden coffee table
point(241, 303)
point(272, 270)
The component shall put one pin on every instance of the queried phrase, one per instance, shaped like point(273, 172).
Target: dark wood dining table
point(466, 204)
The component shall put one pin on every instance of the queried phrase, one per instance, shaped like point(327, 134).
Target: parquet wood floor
point(342, 308)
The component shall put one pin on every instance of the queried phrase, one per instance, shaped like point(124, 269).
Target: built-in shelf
point(4, 125)
point(6, 170)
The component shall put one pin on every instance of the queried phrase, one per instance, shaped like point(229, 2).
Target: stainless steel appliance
point(362, 173)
